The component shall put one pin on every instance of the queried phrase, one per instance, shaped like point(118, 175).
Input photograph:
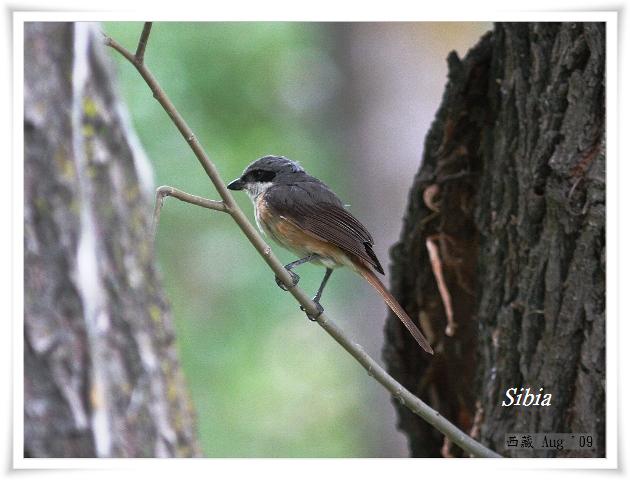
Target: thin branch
point(167, 191)
point(436, 266)
point(142, 43)
point(373, 368)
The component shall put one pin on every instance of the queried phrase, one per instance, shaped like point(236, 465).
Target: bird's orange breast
point(288, 234)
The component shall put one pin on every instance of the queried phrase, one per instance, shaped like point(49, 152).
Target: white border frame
point(380, 467)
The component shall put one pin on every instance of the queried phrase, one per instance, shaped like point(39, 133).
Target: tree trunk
point(511, 192)
point(102, 377)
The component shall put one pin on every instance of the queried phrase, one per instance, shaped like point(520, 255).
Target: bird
point(302, 214)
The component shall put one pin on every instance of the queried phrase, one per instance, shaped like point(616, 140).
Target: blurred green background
point(264, 380)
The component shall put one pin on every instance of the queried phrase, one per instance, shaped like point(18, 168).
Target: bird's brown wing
point(313, 207)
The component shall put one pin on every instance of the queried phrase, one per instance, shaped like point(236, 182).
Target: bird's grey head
point(263, 173)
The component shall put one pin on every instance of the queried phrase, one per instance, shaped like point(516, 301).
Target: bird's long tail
point(396, 308)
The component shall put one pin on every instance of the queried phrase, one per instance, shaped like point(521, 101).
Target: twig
point(142, 43)
point(429, 195)
point(436, 266)
point(373, 368)
point(167, 191)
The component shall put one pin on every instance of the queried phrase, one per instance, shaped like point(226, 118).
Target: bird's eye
point(262, 175)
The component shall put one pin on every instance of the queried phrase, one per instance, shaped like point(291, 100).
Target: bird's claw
point(320, 310)
point(294, 276)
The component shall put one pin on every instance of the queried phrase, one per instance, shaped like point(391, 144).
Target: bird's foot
point(320, 310)
point(294, 276)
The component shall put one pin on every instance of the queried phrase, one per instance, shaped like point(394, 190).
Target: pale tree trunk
point(102, 378)
point(512, 192)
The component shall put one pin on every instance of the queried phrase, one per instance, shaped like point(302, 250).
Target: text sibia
point(525, 397)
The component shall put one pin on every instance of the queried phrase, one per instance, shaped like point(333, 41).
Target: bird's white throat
point(254, 189)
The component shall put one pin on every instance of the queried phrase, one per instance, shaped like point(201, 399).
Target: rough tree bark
point(512, 191)
point(101, 371)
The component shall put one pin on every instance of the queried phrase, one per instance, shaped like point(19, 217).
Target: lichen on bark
point(102, 376)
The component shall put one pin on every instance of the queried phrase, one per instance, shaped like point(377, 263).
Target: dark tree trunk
point(101, 376)
point(511, 191)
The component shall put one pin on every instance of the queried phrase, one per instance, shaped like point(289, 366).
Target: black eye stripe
point(260, 176)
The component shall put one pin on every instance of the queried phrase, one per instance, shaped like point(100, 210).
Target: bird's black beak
point(237, 184)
